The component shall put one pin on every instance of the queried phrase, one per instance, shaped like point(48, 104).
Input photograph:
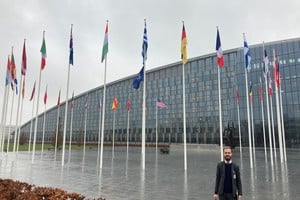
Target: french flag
point(220, 58)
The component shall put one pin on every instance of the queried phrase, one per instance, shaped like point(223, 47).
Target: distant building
point(202, 112)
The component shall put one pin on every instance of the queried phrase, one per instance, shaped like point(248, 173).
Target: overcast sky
point(266, 20)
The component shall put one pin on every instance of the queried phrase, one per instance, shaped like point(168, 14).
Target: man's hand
point(216, 197)
point(239, 197)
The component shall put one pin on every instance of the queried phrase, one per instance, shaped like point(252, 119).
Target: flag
point(86, 104)
point(115, 104)
point(72, 101)
point(13, 71)
point(266, 64)
point(71, 47)
point(247, 55)
point(237, 95)
point(250, 92)
point(58, 100)
point(128, 105)
point(45, 96)
point(270, 85)
point(276, 72)
point(105, 43)
point(183, 46)
point(24, 60)
point(220, 58)
point(23, 89)
point(32, 93)
point(7, 78)
point(43, 53)
point(138, 79)
point(260, 90)
point(145, 45)
point(160, 104)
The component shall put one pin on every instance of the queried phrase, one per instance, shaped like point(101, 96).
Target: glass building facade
point(202, 102)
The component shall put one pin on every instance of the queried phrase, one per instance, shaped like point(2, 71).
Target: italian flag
point(44, 54)
point(105, 44)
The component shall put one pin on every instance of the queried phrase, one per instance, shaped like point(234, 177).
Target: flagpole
point(20, 120)
point(156, 128)
point(113, 136)
point(104, 53)
point(239, 122)
point(66, 112)
point(84, 137)
point(103, 114)
point(248, 113)
point(10, 121)
point(252, 126)
point(263, 116)
point(278, 113)
point(37, 111)
point(144, 110)
point(184, 114)
point(283, 131)
point(268, 107)
point(18, 111)
point(220, 116)
point(3, 118)
point(56, 132)
point(127, 135)
point(43, 137)
point(99, 131)
point(31, 123)
point(71, 132)
point(273, 128)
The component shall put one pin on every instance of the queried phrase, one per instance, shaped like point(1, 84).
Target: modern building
point(202, 103)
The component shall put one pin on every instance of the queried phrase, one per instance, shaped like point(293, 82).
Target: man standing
point(228, 184)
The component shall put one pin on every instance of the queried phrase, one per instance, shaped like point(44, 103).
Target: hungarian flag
point(45, 96)
point(220, 58)
point(128, 105)
point(115, 104)
point(237, 95)
point(183, 46)
point(71, 48)
point(160, 104)
point(32, 93)
point(44, 54)
point(24, 60)
point(105, 44)
point(58, 100)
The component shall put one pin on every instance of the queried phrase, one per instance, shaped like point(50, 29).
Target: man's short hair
point(227, 147)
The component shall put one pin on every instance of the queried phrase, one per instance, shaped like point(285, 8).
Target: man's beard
point(227, 158)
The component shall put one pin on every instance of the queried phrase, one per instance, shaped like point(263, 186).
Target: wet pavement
point(164, 177)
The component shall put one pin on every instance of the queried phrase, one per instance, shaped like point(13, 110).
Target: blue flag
point(247, 55)
point(71, 48)
point(138, 79)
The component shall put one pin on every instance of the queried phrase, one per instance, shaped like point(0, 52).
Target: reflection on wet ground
point(164, 177)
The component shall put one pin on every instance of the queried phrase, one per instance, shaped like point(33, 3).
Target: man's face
point(227, 154)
